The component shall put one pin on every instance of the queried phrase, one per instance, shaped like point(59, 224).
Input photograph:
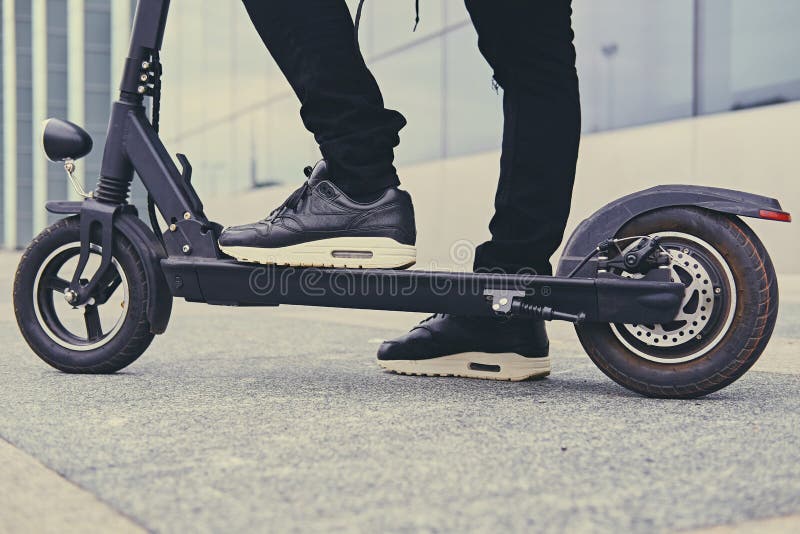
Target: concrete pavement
point(36, 499)
point(279, 420)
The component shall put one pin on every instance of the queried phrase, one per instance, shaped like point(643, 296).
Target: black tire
point(737, 347)
point(33, 306)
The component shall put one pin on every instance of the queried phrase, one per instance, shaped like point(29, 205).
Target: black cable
point(358, 18)
point(155, 121)
point(604, 246)
point(360, 8)
point(583, 262)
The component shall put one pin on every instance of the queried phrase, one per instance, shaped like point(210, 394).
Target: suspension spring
point(544, 312)
point(112, 191)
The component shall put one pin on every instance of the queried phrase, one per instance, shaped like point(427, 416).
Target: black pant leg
point(314, 45)
point(529, 45)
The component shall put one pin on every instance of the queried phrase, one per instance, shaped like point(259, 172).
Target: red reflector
point(775, 215)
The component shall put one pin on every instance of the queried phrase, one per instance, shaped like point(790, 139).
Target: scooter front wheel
point(100, 337)
point(726, 318)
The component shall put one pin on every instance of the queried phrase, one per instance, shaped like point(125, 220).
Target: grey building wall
point(638, 62)
point(24, 149)
point(85, 97)
point(138, 195)
point(57, 88)
point(97, 89)
point(228, 107)
point(2, 129)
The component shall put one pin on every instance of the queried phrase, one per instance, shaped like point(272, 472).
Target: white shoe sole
point(340, 252)
point(502, 366)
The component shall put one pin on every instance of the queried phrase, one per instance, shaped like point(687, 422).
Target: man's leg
point(314, 44)
point(349, 213)
point(529, 46)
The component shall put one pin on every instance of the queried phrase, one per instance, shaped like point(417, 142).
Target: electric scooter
point(671, 293)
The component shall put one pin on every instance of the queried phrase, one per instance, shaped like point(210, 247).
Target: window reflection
point(765, 52)
point(638, 63)
point(411, 83)
point(635, 68)
point(474, 111)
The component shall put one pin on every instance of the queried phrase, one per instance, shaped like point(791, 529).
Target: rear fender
point(608, 220)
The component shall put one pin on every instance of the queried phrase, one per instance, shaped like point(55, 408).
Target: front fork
point(133, 145)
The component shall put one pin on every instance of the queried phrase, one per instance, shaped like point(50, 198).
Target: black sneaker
point(474, 347)
point(320, 226)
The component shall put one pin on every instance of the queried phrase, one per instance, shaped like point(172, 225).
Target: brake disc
point(695, 310)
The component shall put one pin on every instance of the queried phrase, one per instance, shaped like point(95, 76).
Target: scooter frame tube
point(607, 299)
point(195, 268)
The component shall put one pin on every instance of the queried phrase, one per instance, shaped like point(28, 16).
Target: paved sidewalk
point(279, 420)
point(35, 499)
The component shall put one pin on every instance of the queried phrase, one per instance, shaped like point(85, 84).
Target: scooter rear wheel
point(102, 337)
point(726, 319)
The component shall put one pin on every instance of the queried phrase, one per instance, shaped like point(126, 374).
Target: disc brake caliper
point(639, 257)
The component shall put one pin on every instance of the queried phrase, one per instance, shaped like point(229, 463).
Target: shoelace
point(299, 194)
point(294, 199)
point(361, 6)
point(432, 317)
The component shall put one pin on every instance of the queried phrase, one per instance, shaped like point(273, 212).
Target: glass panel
point(56, 92)
point(411, 83)
point(97, 91)
point(24, 149)
point(634, 61)
point(256, 76)
point(287, 146)
point(189, 84)
point(366, 30)
point(97, 26)
point(455, 12)
point(98, 67)
point(392, 23)
point(474, 111)
point(764, 51)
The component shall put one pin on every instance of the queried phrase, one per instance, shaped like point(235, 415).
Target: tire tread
point(752, 348)
point(135, 345)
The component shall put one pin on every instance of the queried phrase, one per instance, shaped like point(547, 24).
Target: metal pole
point(76, 69)
point(121, 17)
point(39, 88)
point(696, 23)
point(9, 124)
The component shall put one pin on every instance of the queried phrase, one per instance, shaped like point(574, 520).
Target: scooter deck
point(607, 299)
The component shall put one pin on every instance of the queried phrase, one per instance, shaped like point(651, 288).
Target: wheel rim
point(62, 322)
point(707, 310)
